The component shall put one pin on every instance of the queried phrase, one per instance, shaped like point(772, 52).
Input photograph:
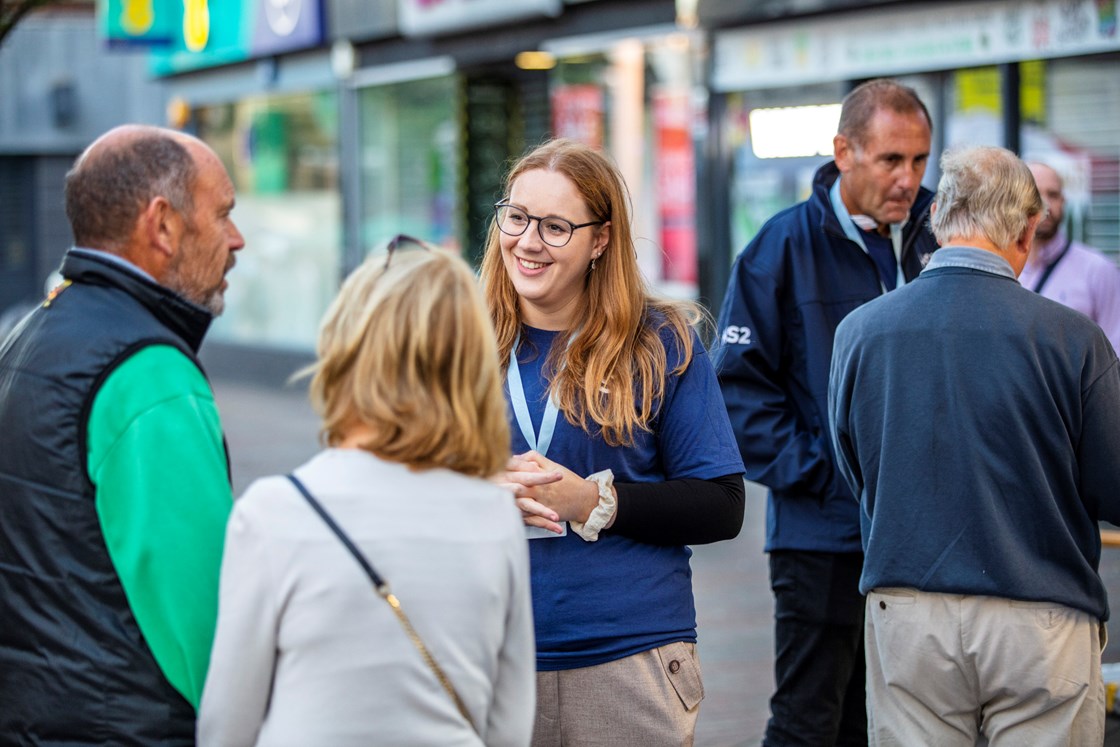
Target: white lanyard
point(538, 443)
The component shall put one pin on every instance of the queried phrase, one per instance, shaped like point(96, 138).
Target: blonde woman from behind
point(306, 652)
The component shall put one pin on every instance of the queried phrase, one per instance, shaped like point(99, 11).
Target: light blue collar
point(114, 258)
point(853, 233)
point(971, 257)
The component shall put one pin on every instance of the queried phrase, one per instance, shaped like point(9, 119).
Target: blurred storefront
point(401, 116)
point(1041, 78)
point(56, 100)
point(345, 122)
point(253, 78)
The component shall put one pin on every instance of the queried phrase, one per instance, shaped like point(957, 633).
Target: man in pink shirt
point(1068, 271)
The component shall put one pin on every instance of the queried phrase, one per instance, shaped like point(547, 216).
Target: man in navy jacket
point(979, 425)
point(863, 232)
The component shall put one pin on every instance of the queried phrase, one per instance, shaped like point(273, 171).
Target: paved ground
point(272, 430)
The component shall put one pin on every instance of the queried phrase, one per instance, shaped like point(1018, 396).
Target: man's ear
point(1027, 238)
point(1020, 249)
point(159, 232)
point(164, 226)
point(843, 151)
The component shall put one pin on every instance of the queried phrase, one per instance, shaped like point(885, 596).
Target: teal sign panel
point(136, 23)
point(219, 32)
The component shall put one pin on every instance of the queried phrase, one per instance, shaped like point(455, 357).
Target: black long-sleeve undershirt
point(680, 512)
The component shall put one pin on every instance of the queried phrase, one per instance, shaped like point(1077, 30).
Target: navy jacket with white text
point(789, 290)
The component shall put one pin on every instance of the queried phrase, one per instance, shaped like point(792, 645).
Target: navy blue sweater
point(979, 424)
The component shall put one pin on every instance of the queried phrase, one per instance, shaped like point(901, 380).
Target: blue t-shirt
point(595, 602)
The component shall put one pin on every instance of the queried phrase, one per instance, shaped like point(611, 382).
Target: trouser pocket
point(682, 669)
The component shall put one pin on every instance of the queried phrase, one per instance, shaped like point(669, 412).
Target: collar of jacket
point(972, 258)
point(187, 320)
point(827, 175)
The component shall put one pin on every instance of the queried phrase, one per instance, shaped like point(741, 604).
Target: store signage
point(433, 17)
point(218, 32)
point(361, 19)
point(755, 11)
point(911, 39)
point(285, 25)
point(133, 23)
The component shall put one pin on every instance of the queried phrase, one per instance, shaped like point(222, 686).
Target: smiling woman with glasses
point(624, 454)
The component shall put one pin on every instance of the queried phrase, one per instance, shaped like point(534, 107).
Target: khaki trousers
point(947, 669)
point(645, 700)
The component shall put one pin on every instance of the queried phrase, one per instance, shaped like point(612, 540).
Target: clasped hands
point(547, 492)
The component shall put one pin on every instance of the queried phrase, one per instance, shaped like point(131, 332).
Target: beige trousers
point(947, 669)
point(649, 699)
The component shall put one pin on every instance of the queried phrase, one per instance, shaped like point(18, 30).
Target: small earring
point(593, 262)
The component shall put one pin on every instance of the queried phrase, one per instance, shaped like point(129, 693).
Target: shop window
point(281, 152)
point(1078, 133)
point(975, 108)
point(794, 131)
point(770, 175)
point(410, 153)
point(639, 100)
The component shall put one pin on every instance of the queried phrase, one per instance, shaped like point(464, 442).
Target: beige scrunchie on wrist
point(601, 514)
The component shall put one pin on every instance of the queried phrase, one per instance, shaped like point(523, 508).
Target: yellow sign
point(137, 22)
point(137, 16)
point(978, 88)
point(196, 24)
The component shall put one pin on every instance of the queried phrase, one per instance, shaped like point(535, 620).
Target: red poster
point(577, 113)
point(676, 186)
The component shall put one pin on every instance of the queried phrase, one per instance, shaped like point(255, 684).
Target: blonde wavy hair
point(407, 349)
point(618, 348)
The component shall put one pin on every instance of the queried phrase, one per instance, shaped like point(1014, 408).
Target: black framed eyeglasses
point(556, 232)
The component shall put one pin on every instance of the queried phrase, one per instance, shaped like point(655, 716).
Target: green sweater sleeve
point(158, 465)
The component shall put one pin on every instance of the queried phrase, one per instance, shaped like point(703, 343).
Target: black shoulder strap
point(384, 592)
point(1050, 267)
point(378, 582)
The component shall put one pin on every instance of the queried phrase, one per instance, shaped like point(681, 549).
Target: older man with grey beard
point(114, 481)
